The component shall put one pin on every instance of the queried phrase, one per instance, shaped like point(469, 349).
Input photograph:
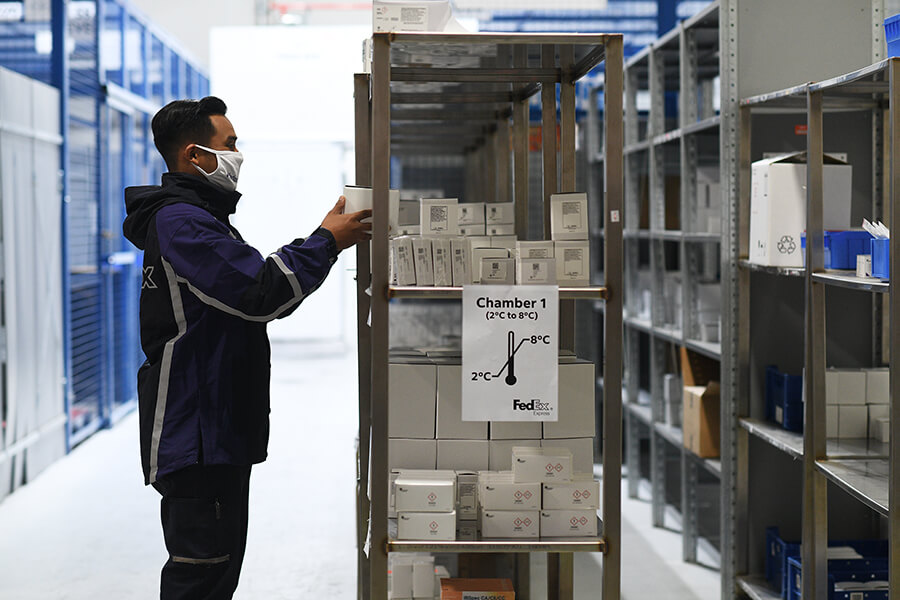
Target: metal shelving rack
point(415, 90)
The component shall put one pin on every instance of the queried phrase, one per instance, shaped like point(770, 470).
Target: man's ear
point(189, 153)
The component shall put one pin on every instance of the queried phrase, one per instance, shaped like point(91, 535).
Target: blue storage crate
point(777, 553)
point(792, 402)
point(861, 569)
point(842, 247)
point(771, 391)
point(892, 35)
point(881, 258)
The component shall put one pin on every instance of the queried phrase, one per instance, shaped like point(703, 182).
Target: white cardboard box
point(435, 493)
point(403, 259)
point(499, 213)
point(401, 579)
point(548, 463)
point(466, 496)
point(408, 213)
point(515, 430)
point(878, 386)
point(412, 454)
point(462, 261)
point(505, 241)
point(576, 402)
point(582, 450)
point(573, 263)
point(877, 412)
point(504, 524)
point(466, 531)
point(412, 394)
point(411, 230)
point(443, 261)
point(409, 15)
point(478, 241)
point(568, 523)
point(569, 216)
point(478, 256)
point(501, 452)
point(536, 249)
point(450, 425)
point(831, 420)
point(498, 491)
point(470, 213)
point(500, 230)
point(884, 431)
point(853, 421)
point(478, 229)
point(843, 386)
point(778, 206)
point(536, 271)
point(430, 526)
point(423, 578)
point(424, 261)
point(463, 455)
point(580, 493)
point(438, 216)
point(498, 271)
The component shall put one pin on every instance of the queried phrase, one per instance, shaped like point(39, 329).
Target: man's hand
point(347, 228)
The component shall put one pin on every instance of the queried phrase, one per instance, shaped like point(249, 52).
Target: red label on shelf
point(799, 129)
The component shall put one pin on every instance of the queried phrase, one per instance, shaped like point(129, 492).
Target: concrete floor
point(87, 528)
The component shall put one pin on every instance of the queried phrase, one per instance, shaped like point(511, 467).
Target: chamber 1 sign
point(510, 353)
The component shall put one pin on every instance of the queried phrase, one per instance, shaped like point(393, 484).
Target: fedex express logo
point(534, 405)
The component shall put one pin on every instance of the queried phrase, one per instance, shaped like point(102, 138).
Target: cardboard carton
point(701, 420)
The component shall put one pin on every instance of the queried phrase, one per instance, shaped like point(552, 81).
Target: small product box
point(499, 213)
point(470, 213)
point(573, 263)
point(515, 430)
point(498, 491)
point(845, 386)
point(505, 241)
point(401, 578)
point(469, 455)
point(501, 452)
point(477, 229)
point(568, 523)
point(853, 421)
point(884, 430)
point(423, 578)
point(420, 492)
point(580, 493)
point(408, 213)
point(439, 216)
point(576, 402)
point(500, 230)
point(498, 271)
point(467, 589)
point(878, 386)
point(462, 262)
point(538, 249)
point(450, 425)
point(403, 259)
point(467, 531)
point(424, 261)
point(700, 420)
point(502, 524)
point(413, 390)
point(412, 454)
point(466, 496)
point(536, 271)
point(430, 526)
point(569, 216)
point(541, 464)
point(877, 412)
point(479, 241)
point(582, 450)
point(443, 261)
point(478, 259)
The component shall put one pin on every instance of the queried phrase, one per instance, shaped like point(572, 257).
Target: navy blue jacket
point(203, 392)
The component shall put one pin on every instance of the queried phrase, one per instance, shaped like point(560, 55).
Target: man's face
point(224, 138)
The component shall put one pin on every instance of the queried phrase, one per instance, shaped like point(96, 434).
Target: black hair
point(184, 122)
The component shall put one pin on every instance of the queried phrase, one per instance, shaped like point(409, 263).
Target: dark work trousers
point(204, 521)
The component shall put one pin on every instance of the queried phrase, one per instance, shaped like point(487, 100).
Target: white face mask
point(227, 171)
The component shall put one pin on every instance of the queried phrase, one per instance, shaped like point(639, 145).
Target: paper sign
point(510, 354)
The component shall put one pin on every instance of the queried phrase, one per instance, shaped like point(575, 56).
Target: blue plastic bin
point(777, 553)
point(881, 258)
point(862, 569)
point(842, 247)
point(892, 35)
point(772, 383)
point(792, 402)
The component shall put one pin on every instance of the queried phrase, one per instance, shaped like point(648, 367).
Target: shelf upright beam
point(815, 508)
point(612, 331)
point(894, 202)
point(504, 161)
point(362, 109)
point(520, 151)
point(381, 171)
point(548, 135)
point(567, 174)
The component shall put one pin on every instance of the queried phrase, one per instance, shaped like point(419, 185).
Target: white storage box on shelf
point(499, 213)
point(568, 523)
point(576, 402)
point(582, 450)
point(778, 206)
point(403, 261)
point(573, 263)
point(426, 526)
point(536, 271)
point(536, 249)
point(877, 412)
point(878, 386)
point(845, 386)
point(443, 261)
point(450, 425)
point(502, 524)
point(502, 229)
point(477, 229)
point(421, 492)
point(469, 455)
point(497, 490)
point(505, 241)
point(462, 261)
point(515, 430)
point(547, 463)
point(413, 390)
point(470, 213)
point(424, 261)
point(569, 216)
point(439, 216)
point(466, 496)
point(412, 454)
point(498, 271)
point(583, 492)
point(478, 258)
point(501, 451)
point(709, 200)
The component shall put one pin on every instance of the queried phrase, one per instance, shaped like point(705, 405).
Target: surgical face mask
point(227, 171)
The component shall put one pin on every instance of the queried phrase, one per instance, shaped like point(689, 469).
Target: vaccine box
point(423, 578)
point(536, 271)
point(477, 229)
point(877, 412)
point(401, 581)
point(568, 523)
point(505, 241)
point(466, 531)
point(500, 230)
point(439, 216)
point(580, 493)
point(470, 213)
point(501, 452)
point(403, 260)
point(478, 256)
point(443, 261)
point(498, 491)
point(516, 430)
point(853, 421)
point(582, 450)
point(412, 454)
point(419, 493)
point(569, 216)
point(430, 526)
point(468, 455)
point(450, 425)
point(479, 241)
point(844, 386)
point(498, 271)
point(576, 402)
point(499, 213)
point(466, 496)
point(424, 261)
point(573, 263)
point(502, 524)
point(537, 249)
point(462, 261)
point(878, 386)
point(412, 390)
point(408, 213)
point(778, 206)
point(553, 463)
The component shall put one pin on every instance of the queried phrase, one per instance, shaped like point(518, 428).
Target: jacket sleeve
point(230, 275)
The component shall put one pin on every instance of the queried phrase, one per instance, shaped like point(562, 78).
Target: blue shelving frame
point(114, 70)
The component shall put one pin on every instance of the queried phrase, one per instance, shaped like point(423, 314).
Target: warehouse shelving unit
point(416, 81)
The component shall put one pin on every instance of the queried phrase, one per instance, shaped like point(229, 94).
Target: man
point(205, 300)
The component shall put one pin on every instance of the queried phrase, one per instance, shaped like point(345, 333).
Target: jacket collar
point(218, 202)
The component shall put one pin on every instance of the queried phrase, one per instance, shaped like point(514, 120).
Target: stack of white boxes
point(414, 577)
point(857, 403)
point(569, 230)
point(709, 200)
point(709, 311)
point(673, 396)
point(425, 503)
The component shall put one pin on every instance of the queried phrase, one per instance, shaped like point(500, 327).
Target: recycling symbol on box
point(786, 245)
